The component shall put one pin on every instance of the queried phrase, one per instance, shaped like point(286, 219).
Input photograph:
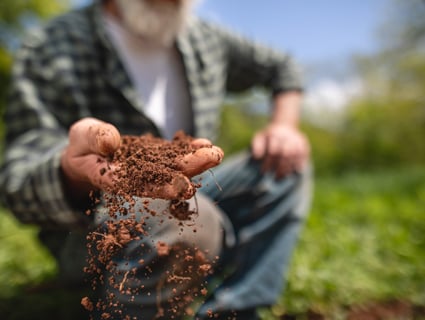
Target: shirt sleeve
point(252, 63)
point(30, 176)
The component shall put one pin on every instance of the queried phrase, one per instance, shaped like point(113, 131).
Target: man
point(149, 66)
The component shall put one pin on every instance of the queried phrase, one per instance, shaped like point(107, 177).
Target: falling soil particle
point(87, 304)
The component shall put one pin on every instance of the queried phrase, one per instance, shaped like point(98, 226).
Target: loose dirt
point(145, 166)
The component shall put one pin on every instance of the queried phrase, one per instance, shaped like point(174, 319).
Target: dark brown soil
point(148, 163)
point(394, 309)
point(375, 310)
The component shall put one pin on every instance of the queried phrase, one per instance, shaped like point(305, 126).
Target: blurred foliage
point(404, 26)
point(13, 12)
point(23, 260)
point(238, 124)
point(364, 241)
point(385, 125)
point(15, 17)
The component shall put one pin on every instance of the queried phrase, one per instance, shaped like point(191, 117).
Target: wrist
point(286, 109)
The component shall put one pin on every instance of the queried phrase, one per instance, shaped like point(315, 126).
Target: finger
point(289, 160)
point(104, 139)
point(272, 154)
point(300, 153)
point(284, 167)
point(200, 160)
point(90, 135)
point(258, 146)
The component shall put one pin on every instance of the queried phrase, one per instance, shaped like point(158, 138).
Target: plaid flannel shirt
point(68, 69)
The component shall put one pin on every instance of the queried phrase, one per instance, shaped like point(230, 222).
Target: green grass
point(364, 241)
point(23, 261)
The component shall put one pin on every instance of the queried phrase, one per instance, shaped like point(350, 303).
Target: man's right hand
point(91, 141)
point(85, 163)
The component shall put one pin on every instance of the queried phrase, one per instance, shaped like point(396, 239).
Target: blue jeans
point(265, 217)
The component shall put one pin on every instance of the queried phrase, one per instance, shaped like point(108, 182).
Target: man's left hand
point(281, 148)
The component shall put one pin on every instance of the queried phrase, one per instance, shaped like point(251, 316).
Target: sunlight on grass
point(364, 240)
point(23, 261)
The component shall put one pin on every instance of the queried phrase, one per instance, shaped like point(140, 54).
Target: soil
point(394, 309)
point(374, 310)
point(145, 166)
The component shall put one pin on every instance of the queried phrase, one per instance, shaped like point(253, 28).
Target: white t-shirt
point(157, 74)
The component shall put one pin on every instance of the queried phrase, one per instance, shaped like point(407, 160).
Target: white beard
point(156, 20)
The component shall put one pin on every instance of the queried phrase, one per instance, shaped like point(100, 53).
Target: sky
point(313, 31)
point(322, 35)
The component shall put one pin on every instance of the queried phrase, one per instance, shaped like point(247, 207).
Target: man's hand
point(281, 148)
point(91, 141)
point(85, 164)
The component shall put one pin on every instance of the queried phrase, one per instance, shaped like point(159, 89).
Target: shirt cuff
point(49, 190)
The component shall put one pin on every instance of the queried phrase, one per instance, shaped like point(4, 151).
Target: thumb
point(90, 135)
